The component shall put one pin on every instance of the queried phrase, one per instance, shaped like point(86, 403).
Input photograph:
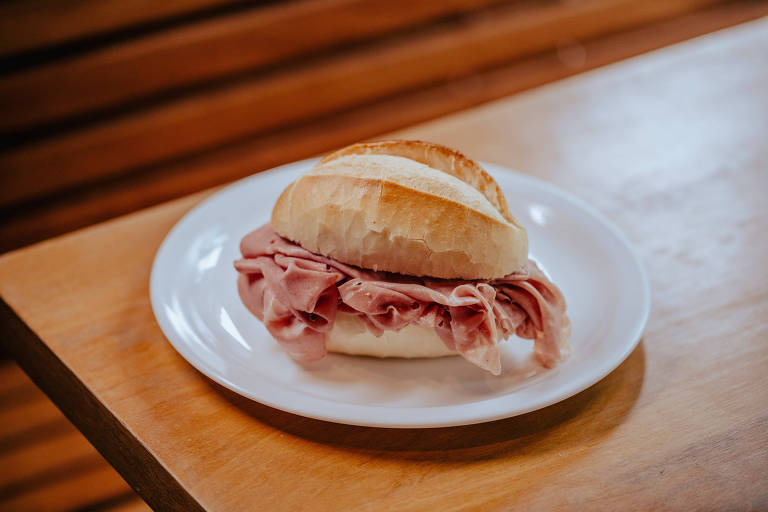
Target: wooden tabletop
point(672, 146)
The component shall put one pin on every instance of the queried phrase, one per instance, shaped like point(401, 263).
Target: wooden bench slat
point(78, 490)
point(12, 379)
point(206, 120)
point(46, 472)
point(26, 414)
point(46, 460)
point(203, 51)
point(34, 413)
point(32, 24)
point(190, 175)
point(132, 505)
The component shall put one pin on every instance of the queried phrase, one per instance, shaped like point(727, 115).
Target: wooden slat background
point(27, 25)
point(191, 54)
point(104, 98)
point(201, 120)
point(45, 463)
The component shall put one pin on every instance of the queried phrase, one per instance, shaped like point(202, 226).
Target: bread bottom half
point(350, 336)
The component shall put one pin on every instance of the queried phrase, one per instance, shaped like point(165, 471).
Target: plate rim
point(439, 416)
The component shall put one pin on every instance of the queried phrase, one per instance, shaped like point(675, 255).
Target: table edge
point(112, 438)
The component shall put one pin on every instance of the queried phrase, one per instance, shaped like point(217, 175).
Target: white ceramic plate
point(195, 300)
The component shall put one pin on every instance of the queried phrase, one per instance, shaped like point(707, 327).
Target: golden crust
point(390, 212)
point(437, 157)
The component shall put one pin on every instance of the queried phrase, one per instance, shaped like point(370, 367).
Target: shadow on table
point(581, 419)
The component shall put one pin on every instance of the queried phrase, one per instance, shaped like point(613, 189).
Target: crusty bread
point(438, 157)
point(350, 336)
point(407, 207)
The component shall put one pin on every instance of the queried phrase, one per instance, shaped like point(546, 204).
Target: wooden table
point(672, 146)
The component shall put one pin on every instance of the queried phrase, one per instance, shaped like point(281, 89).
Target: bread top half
point(407, 207)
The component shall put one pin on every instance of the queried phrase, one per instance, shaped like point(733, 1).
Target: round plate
point(194, 297)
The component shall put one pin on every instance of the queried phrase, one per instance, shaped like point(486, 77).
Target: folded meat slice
point(297, 295)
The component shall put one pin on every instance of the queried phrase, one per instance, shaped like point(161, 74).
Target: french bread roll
point(350, 336)
point(407, 207)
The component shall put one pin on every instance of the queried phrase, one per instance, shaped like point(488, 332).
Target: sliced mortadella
point(297, 294)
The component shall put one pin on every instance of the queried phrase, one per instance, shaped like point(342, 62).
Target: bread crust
point(367, 207)
point(438, 157)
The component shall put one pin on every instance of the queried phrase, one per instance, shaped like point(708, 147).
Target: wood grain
point(24, 27)
point(55, 455)
point(669, 145)
point(12, 381)
point(77, 209)
point(81, 489)
point(204, 120)
point(44, 460)
point(33, 412)
point(116, 442)
point(26, 415)
point(208, 49)
point(131, 505)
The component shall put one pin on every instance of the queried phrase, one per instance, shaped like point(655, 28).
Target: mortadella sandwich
point(399, 249)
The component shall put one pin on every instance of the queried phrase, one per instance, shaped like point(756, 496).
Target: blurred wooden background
point(110, 106)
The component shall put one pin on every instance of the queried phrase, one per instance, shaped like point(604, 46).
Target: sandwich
point(399, 249)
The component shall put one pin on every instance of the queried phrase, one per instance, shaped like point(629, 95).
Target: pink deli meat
point(297, 294)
